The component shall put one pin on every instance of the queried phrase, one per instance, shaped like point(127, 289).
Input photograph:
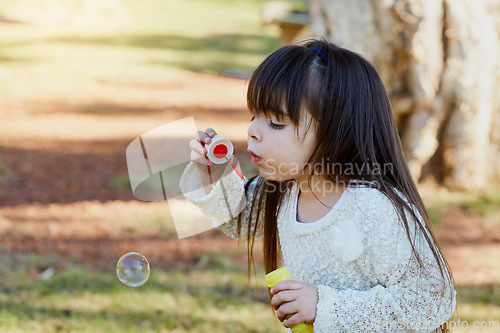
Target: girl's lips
point(255, 158)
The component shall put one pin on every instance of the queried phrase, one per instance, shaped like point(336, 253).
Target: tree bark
point(438, 60)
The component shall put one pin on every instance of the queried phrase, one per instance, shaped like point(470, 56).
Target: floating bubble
point(132, 269)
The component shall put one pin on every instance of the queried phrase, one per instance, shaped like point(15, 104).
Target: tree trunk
point(438, 60)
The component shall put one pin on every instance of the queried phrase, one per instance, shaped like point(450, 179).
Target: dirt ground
point(62, 146)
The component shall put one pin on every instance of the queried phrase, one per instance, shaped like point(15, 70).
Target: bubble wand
point(235, 168)
point(218, 151)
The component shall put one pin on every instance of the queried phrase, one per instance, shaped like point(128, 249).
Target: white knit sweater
point(358, 256)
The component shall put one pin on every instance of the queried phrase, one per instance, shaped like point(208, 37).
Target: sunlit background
point(79, 80)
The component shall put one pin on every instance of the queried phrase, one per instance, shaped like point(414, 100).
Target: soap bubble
point(132, 269)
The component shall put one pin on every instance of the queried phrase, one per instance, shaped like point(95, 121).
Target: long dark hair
point(353, 119)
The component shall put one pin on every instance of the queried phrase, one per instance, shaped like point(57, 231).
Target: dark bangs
point(280, 84)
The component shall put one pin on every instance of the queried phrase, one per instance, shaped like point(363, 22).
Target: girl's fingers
point(198, 150)
point(203, 137)
point(196, 146)
point(210, 132)
point(206, 137)
point(284, 296)
point(287, 285)
point(293, 320)
point(287, 308)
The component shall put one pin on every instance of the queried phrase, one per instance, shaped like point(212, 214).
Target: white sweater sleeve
point(225, 202)
point(404, 299)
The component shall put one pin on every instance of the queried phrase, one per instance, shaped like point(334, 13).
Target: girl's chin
point(272, 175)
point(267, 175)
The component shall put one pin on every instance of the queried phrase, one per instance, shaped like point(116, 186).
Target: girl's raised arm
point(219, 192)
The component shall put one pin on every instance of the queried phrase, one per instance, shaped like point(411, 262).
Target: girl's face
point(276, 149)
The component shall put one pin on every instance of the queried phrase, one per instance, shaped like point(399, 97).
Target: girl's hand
point(198, 150)
point(297, 298)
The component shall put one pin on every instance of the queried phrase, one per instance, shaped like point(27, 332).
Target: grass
point(213, 297)
point(210, 296)
point(160, 38)
point(479, 304)
point(484, 207)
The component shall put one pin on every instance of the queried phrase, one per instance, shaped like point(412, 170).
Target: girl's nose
point(253, 132)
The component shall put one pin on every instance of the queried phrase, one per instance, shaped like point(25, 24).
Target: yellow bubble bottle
point(275, 277)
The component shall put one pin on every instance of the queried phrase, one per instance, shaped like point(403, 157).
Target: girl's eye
point(275, 126)
point(272, 124)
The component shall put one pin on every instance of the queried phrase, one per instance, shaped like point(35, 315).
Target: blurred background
point(81, 79)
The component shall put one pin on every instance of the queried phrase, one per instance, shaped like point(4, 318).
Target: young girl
point(333, 200)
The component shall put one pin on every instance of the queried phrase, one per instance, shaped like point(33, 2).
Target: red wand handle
point(235, 168)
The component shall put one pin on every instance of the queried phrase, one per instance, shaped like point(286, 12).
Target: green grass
point(161, 38)
point(120, 180)
point(213, 296)
point(484, 204)
point(210, 296)
point(484, 207)
point(475, 302)
point(479, 303)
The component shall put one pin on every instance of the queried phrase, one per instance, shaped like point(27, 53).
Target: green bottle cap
point(278, 275)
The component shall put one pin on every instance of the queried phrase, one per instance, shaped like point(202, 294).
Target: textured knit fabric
point(358, 256)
